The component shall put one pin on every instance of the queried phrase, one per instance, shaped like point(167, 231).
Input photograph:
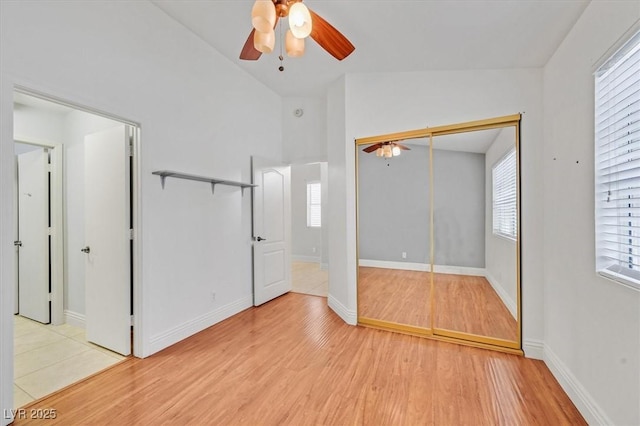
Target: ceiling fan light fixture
point(386, 150)
point(379, 152)
point(293, 45)
point(263, 15)
point(299, 20)
point(395, 151)
point(264, 42)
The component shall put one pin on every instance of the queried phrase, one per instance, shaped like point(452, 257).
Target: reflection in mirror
point(475, 283)
point(393, 226)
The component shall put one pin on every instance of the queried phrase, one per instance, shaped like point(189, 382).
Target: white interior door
point(271, 230)
point(33, 235)
point(107, 238)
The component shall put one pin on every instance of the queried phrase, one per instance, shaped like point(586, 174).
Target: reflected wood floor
point(394, 295)
point(462, 302)
point(293, 361)
point(469, 304)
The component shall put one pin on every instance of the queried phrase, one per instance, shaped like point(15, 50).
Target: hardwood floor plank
point(293, 361)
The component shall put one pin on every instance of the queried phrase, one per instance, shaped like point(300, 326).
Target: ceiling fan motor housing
point(282, 7)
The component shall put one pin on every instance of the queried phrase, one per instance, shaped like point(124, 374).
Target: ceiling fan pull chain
point(281, 67)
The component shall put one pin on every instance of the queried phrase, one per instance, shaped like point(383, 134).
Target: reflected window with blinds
point(314, 209)
point(505, 212)
point(617, 165)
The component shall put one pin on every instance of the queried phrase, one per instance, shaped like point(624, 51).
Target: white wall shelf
point(213, 181)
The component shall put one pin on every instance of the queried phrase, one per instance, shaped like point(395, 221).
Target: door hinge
point(132, 319)
point(49, 168)
point(49, 231)
point(131, 234)
point(48, 297)
point(130, 146)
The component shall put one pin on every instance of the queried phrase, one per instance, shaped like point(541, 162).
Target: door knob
point(261, 239)
point(87, 249)
point(17, 243)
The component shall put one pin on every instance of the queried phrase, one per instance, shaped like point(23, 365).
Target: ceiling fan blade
point(372, 147)
point(329, 38)
point(249, 53)
point(406, 148)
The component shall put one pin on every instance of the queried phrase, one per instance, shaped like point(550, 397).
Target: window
point(617, 165)
point(314, 214)
point(505, 211)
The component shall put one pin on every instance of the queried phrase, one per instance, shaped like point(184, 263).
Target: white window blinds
point(617, 165)
point(505, 212)
point(314, 216)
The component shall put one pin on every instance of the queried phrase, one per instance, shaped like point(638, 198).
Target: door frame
point(136, 202)
point(57, 224)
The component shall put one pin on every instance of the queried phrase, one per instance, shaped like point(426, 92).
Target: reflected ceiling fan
point(387, 149)
point(303, 22)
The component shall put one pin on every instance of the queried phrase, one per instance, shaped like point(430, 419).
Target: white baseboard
point(504, 296)
point(423, 267)
point(590, 410)
point(533, 349)
point(75, 319)
point(350, 317)
point(299, 258)
point(189, 328)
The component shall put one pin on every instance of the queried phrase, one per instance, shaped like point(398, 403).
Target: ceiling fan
point(387, 149)
point(303, 22)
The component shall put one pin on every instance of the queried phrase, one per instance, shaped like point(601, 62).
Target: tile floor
point(48, 358)
point(308, 278)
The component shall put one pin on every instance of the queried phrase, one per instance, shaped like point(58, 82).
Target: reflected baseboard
point(423, 267)
point(504, 296)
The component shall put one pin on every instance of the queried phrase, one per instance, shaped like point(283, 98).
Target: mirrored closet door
point(438, 241)
point(394, 204)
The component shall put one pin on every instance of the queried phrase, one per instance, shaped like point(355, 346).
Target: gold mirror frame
point(433, 332)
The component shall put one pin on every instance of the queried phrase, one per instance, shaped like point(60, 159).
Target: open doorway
point(78, 166)
point(309, 198)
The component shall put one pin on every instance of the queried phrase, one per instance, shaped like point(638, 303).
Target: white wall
point(342, 245)
point(592, 325)
point(405, 101)
point(305, 137)
point(131, 60)
point(38, 125)
point(500, 252)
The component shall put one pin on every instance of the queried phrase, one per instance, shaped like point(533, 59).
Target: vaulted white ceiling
point(397, 35)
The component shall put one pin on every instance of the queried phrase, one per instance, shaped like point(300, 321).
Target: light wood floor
point(462, 303)
point(292, 361)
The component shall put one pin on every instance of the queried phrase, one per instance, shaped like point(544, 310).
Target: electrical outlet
point(404, 254)
point(213, 296)
point(313, 250)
